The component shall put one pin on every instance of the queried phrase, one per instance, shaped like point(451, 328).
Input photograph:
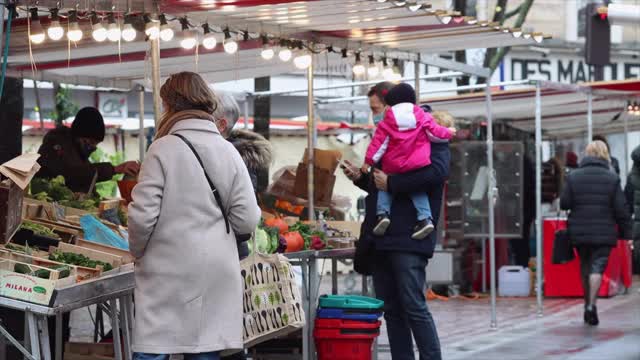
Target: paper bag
point(21, 169)
point(325, 165)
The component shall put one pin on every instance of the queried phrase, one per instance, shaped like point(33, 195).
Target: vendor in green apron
point(65, 151)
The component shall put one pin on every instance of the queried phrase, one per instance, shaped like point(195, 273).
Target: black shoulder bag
point(213, 188)
point(562, 246)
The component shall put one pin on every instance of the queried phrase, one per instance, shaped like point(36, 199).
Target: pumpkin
point(277, 223)
point(294, 240)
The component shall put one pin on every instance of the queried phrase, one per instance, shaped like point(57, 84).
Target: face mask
point(86, 149)
point(378, 118)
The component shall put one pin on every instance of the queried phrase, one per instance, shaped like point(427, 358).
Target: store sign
point(113, 105)
point(569, 70)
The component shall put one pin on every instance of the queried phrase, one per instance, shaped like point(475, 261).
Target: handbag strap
point(215, 192)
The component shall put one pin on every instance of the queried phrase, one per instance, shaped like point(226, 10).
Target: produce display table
point(113, 287)
point(563, 280)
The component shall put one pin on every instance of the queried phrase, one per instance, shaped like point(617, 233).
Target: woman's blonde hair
point(597, 149)
point(443, 118)
point(188, 91)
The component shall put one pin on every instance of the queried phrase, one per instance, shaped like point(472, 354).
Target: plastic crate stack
point(346, 327)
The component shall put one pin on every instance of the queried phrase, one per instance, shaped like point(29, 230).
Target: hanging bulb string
point(31, 59)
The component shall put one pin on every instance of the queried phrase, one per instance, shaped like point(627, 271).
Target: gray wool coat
point(188, 295)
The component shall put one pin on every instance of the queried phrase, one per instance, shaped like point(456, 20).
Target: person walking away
point(596, 204)
point(401, 144)
point(615, 164)
point(255, 151)
point(65, 151)
point(181, 231)
point(632, 192)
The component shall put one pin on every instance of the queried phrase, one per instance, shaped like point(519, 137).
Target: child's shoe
point(422, 229)
point(382, 225)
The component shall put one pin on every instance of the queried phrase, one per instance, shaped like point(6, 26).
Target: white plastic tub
point(513, 281)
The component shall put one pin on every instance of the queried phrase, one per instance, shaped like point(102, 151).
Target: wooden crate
point(30, 288)
point(79, 272)
point(88, 351)
point(92, 254)
point(11, 198)
point(124, 254)
point(66, 232)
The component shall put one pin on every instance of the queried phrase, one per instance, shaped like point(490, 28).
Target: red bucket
point(338, 339)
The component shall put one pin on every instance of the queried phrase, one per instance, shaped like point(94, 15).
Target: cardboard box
point(30, 288)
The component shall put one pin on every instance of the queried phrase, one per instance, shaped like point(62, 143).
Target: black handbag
point(562, 247)
point(364, 257)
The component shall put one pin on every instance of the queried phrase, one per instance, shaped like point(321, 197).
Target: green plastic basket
point(350, 302)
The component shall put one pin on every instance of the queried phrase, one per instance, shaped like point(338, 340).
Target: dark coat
point(632, 193)
point(59, 155)
point(594, 197)
point(429, 179)
point(256, 153)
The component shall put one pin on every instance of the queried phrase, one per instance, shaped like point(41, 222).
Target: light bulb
point(166, 32)
point(128, 33)
point(209, 41)
point(99, 33)
point(446, 19)
point(358, 68)
point(55, 31)
point(74, 33)
point(113, 30)
point(267, 53)
point(373, 70)
point(189, 39)
point(285, 54)
point(388, 74)
point(151, 28)
point(303, 61)
point(36, 34)
point(414, 6)
point(230, 45)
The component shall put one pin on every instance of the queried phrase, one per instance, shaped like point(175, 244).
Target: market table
point(308, 261)
point(111, 288)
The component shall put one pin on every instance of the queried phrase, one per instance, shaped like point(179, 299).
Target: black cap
point(401, 93)
point(88, 123)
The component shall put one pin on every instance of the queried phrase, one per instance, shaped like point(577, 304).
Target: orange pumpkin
point(277, 223)
point(295, 242)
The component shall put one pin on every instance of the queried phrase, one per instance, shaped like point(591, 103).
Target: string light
point(128, 32)
point(151, 28)
point(230, 45)
point(358, 68)
point(267, 52)
point(344, 53)
point(209, 40)
point(285, 53)
point(373, 70)
point(414, 6)
point(113, 29)
point(387, 72)
point(189, 37)
point(36, 33)
point(166, 32)
point(75, 33)
point(303, 61)
point(55, 30)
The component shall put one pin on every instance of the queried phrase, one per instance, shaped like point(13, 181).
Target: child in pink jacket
point(401, 144)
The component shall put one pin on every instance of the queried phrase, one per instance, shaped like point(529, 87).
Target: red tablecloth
point(564, 280)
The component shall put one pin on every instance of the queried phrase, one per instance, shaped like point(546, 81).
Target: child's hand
point(453, 131)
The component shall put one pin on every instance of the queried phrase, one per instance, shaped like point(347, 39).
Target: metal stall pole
point(155, 78)
point(538, 198)
point(311, 126)
point(626, 145)
point(246, 112)
point(589, 116)
point(491, 196)
point(141, 137)
point(417, 78)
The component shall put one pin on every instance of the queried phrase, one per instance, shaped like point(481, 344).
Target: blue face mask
point(378, 118)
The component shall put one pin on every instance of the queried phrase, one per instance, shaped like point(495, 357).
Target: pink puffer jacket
point(401, 140)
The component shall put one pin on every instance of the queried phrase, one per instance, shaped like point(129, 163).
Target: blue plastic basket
point(348, 314)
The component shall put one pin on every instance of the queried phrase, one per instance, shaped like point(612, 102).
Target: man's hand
point(380, 180)
point(365, 168)
point(351, 171)
point(130, 168)
point(630, 244)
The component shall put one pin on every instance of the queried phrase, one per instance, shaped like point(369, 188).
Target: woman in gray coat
point(188, 284)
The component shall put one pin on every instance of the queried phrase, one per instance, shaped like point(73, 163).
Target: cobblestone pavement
point(463, 327)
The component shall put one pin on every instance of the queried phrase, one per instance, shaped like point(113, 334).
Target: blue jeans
point(201, 356)
point(399, 280)
point(420, 202)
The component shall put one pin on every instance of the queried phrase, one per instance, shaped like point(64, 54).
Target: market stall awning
point(370, 27)
point(564, 110)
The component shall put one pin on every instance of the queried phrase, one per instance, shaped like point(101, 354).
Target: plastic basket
point(345, 339)
point(348, 314)
point(351, 302)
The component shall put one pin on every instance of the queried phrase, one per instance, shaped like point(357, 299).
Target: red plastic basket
point(338, 339)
